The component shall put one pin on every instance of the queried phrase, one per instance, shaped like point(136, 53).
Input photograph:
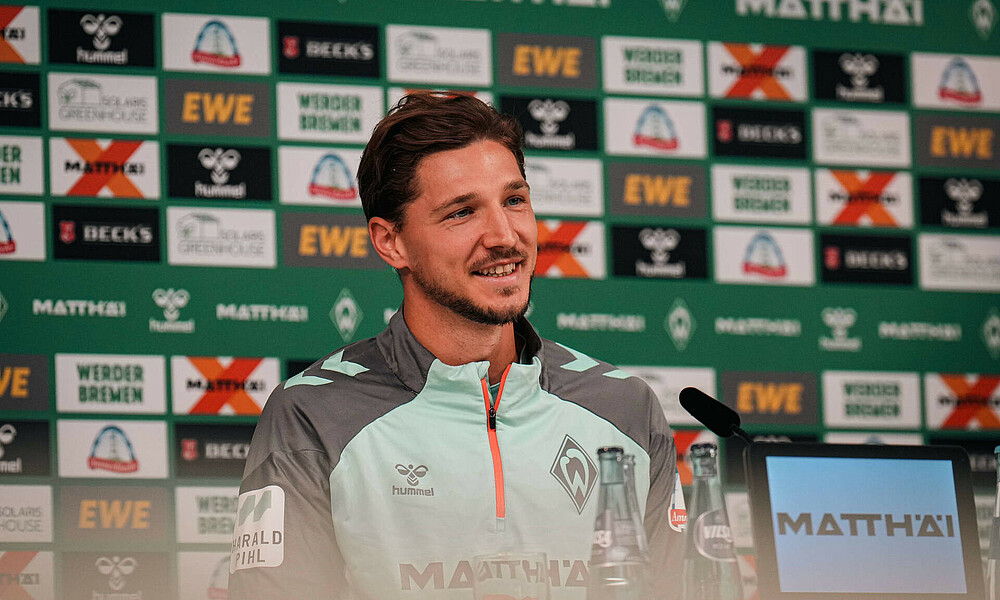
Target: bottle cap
point(607, 449)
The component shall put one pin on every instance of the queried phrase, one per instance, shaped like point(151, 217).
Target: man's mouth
point(498, 270)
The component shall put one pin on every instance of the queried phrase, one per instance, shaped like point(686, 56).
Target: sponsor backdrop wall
point(792, 205)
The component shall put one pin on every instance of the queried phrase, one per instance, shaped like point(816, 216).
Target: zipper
point(491, 432)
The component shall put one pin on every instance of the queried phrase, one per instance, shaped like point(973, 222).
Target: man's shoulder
point(352, 376)
point(567, 367)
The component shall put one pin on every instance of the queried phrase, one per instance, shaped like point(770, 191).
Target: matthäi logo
point(991, 333)
point(680, 324)
point(171, 301)
point(346, 314)
point(839, 320)
point(413, 475)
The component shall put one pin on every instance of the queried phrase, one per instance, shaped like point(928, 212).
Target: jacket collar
point(410, 361)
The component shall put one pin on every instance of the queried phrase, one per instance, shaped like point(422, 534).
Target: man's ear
point(386, 240)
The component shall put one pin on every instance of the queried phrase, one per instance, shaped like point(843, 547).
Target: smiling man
point(383, 468)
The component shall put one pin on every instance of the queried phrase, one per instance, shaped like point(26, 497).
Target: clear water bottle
point(993, 564)
point(628, 470)
point(617, 564)
point(711, 571)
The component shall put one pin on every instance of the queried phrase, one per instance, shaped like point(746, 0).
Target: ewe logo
point(575, 471)
point(959, 84)
point(655, 130)
point(116, 569)
point(112, 451)
point(216, 46)
point(101, 28)
point(331, 179)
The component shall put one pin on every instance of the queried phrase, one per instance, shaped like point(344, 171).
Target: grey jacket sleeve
point(666, 538)
point(284, 545)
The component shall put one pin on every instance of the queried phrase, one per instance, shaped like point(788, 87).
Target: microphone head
point(719, 418)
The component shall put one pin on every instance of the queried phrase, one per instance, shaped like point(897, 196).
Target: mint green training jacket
point(379, 472)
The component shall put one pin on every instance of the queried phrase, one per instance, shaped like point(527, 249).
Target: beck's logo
point(19, 100)
point(758, 74)
point(216, 46)
point(575, 471)
point(112, 451)
point(959, 84)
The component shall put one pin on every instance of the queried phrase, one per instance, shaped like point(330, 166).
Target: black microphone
point(719, 418)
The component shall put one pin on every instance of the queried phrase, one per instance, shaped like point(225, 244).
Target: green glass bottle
point(711, 570)
point(617, 564)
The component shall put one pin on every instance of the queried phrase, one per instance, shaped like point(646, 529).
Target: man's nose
point(499, 232)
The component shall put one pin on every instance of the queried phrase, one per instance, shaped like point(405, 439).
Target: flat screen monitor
point(865, 522)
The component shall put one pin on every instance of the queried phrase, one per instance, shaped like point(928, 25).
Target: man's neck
point(455, 340)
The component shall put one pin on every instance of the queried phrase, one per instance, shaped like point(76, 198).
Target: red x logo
point(758, 72)
point(7, 52)
point(105, 174)
point(12, 563)
point(972, 402)
point(864, 198)
point(554, 249)
point(227, 384)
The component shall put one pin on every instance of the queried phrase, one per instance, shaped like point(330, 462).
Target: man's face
point(470, 235)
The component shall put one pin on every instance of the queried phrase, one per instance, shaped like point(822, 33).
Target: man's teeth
point(500, 270)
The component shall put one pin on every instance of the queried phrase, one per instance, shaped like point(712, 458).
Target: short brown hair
point(419, 125)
